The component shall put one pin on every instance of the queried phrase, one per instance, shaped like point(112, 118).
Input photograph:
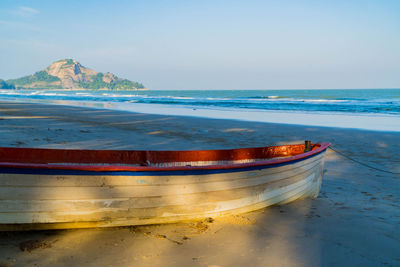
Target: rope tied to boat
point(362, 163)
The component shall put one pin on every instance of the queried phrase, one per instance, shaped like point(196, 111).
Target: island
point(70, 74)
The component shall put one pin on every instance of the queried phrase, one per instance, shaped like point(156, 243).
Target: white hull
point(30, 201)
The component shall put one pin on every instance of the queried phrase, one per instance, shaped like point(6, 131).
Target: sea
point(368, 109)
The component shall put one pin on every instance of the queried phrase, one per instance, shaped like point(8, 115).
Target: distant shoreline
point(147, 89)
point(78, 89)
point(377, 110)
point(368, 122)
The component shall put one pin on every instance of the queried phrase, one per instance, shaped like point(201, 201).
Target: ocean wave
point(118, 95)
point(266, 97)
point(349, 101)
point(172, 97)
point(320, 100)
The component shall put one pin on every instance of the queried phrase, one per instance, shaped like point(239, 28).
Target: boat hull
point(48, 199)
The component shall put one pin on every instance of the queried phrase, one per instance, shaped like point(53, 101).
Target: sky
point(209, 44)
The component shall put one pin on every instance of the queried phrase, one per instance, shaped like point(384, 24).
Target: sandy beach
point(355, 221)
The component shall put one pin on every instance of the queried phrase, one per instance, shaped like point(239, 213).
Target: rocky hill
point(70, 74)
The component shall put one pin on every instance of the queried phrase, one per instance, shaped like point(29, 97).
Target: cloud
point(24, 11)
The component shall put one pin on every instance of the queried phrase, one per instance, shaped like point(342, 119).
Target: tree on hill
point(120, 84)
point(4, 85)
point(40, 76)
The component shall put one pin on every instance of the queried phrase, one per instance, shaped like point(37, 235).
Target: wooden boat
point(56, 188)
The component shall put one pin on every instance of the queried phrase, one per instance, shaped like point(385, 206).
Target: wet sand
point(354, 221)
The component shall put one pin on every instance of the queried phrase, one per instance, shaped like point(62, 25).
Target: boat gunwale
point(126, 168)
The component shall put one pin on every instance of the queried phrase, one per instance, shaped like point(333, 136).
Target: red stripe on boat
point(48, 158)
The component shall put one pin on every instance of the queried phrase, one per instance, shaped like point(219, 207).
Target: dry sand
point(355, 221)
